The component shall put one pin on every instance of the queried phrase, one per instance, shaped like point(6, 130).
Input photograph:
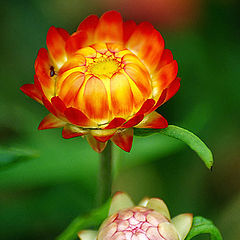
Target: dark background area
point(40, 197)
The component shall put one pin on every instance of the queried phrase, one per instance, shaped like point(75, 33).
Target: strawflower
point(104, 79)
point(149, 220)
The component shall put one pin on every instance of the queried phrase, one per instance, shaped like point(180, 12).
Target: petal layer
point(95, 100)
point(95, 144)
point(173, 88)
point(72, 131)
point(124, 139)
point(31, 91)
point(116, 122)
point(56, 45)
point(120, 201)
point(153, 120)
point(159, 206)
point(147, 43)
point(121, 95)
point(164, 77)
point(109, 28)
point(50, 121)
point(89, 25)
point(183, 223)
point(76, 117)
point(76, 41)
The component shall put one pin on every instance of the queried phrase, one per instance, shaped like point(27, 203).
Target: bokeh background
point(41, 196)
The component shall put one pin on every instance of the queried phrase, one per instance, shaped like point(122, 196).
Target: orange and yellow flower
point(104, 79)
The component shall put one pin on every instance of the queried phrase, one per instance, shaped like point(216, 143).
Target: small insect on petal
point(52, 71)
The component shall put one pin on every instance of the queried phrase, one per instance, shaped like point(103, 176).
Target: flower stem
point(105, 174)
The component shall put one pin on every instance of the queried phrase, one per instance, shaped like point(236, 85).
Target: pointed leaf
point(203, 226)
point(194, 142)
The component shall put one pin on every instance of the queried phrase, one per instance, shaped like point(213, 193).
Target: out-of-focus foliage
point(9, 157)
point(40, 197)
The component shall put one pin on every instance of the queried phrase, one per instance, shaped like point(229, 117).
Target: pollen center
point(104, 66)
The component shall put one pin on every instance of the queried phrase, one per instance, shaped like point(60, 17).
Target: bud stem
point(105, 175)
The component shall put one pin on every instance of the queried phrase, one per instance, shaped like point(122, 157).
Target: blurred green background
point(40, 197)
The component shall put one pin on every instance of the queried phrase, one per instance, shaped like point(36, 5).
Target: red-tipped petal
point(42, 68)
point(95, 144)
point(163, 78)
point(38, 85)
point(147, 43)
point(121, 95)
point(166, 58)
point(103, 138)
point(65, 35)
point(70, 86)
point(128, 29)
point(31, 91)
point(116, 122)
point(58, 106)
point(153, 120)
point(160, 101)
point(71, 132)
point(133, 121)
point(48, 105)
point(139, 76)
point(109, 28)
point(95, 100)
point(56, 46)
point(50, 121)
point(77, 60)
point(173, 88)
point(102, 135)
point(89, 25)
point(77, 117)
point(76, 41)
point(147, 105)
point(124, 139)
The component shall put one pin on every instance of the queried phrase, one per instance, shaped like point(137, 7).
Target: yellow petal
point(144, 202)
point(87, 235)
point(159, 206)
point(168, 231)
point(183, 223)
point(120, 201)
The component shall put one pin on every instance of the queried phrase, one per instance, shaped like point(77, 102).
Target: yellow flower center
point(104, 81)
point(104, 67)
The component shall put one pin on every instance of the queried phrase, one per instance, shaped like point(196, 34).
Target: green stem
point(105, 175)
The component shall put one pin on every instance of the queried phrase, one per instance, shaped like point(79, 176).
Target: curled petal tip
point(50, 121)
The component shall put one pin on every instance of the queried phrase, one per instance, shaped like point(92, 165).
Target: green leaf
point(194, 142)
point(9, 157)
point(203, 226)
point(94, 219)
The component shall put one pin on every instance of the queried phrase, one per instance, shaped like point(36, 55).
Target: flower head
point(150, 220)
point(104, 79)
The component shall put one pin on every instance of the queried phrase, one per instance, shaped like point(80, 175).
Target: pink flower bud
point(138, 223)
point(150, 220)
